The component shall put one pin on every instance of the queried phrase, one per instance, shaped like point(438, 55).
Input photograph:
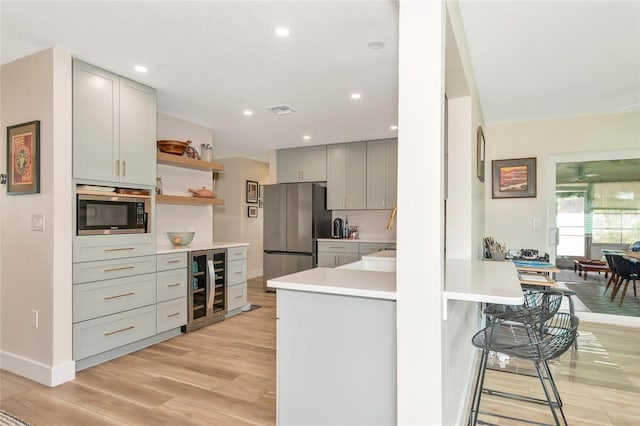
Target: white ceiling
point(210, 60)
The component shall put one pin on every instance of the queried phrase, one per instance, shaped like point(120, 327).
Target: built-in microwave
point(112, 213)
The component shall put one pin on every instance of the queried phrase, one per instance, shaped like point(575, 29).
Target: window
point(616, 226)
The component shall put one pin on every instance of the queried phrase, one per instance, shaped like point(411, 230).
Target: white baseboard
point(36, 371)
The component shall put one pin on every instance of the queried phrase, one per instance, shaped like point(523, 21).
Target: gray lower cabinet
point(369, 248)
point(337, 365)
point(236, 279)
point(124, 304)
point(338, 253)
point(171, 291)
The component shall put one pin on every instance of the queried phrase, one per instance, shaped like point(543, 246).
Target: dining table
point(536, 273)
point(632, 254)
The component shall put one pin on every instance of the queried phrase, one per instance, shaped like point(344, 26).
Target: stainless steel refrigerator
point(295, 216)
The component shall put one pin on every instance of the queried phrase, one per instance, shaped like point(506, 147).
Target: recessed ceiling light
point(393, 127)
point(376, 44)
point(140, 68)
point(247, 112)
point(355, 96)
point(282, 31)
point(306, 137)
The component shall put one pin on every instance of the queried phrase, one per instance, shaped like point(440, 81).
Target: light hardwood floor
point(224, 374)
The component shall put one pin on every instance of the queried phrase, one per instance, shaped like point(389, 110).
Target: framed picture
point(261, 192)
point(261, 202)
point(252, 191)
point(23, 158)
point(480, 148)
point(515, 178)
point(252, 211)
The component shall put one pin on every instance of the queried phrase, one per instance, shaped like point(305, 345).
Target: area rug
point(594, 297)
point(7, 419)
point(591, 294)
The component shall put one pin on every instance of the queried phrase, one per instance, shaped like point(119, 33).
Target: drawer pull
point(174, 261)
point(239, 297)
point(119, 295)
point(337, 247)
point(173, 314)
point(119, 249)
point(122, 268)
point(119, 331)
point(173, 285)
point(238, 272)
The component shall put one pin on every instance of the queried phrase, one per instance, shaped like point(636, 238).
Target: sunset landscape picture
point(514, 178)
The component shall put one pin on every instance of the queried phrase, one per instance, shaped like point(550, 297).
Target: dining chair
point(627, 270)
point(614, 276)
point(533, 331)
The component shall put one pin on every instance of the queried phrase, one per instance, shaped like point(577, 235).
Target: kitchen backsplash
point(371, 223)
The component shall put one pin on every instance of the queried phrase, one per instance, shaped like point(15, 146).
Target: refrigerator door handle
point(211, 282)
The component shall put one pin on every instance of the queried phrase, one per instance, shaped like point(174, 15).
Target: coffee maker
point(338, 228)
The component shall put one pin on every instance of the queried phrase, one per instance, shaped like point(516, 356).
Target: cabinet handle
point(173, 285)
point(238, 272)
point(173, 314)
point(117, 167)
point(337, 247)
point(302, 171)
point(237, 254)
point(119, 331)
point(119, 295)
point(239, 297)
point(119, 269)
point(174, 261)
point(124, 168)
point(119, 249)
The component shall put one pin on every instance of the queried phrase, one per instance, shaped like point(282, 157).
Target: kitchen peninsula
point(336, 335)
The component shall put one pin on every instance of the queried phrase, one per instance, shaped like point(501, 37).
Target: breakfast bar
point(336, 335)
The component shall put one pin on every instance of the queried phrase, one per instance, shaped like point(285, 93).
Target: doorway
point(597, 207)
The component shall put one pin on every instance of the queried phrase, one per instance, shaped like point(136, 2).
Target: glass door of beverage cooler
point(219, 287)
point(199, 286)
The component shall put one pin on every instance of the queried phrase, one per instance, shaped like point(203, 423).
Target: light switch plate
point(537, 224)
point(37, 222)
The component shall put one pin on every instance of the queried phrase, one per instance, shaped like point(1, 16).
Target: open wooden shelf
point(179, 199)
point(189, 163)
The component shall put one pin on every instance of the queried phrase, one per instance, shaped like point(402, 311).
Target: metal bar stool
point(534, 331)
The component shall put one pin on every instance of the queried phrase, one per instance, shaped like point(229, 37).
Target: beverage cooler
point(207, 288)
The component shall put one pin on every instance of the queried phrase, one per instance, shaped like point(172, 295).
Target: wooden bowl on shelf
point(173, 147)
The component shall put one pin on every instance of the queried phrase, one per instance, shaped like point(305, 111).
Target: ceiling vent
point(280, 109)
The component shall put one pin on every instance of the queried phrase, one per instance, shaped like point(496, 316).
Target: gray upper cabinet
point(114, 127)
point(347, 176)
point(307, 164)
point(382, 173)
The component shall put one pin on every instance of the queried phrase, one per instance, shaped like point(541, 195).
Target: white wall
point(419, 275)
point(35, 268)
point(510, 220)
point(230, 221)
point(178, 180)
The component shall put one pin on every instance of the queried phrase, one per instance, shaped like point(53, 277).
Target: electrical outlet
point(37, 222)
point(34, 318)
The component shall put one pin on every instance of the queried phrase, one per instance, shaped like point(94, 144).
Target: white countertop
point(381, 256)
point(164, 249)
point(348, 282)
point(359, 240)
point(483, 281)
